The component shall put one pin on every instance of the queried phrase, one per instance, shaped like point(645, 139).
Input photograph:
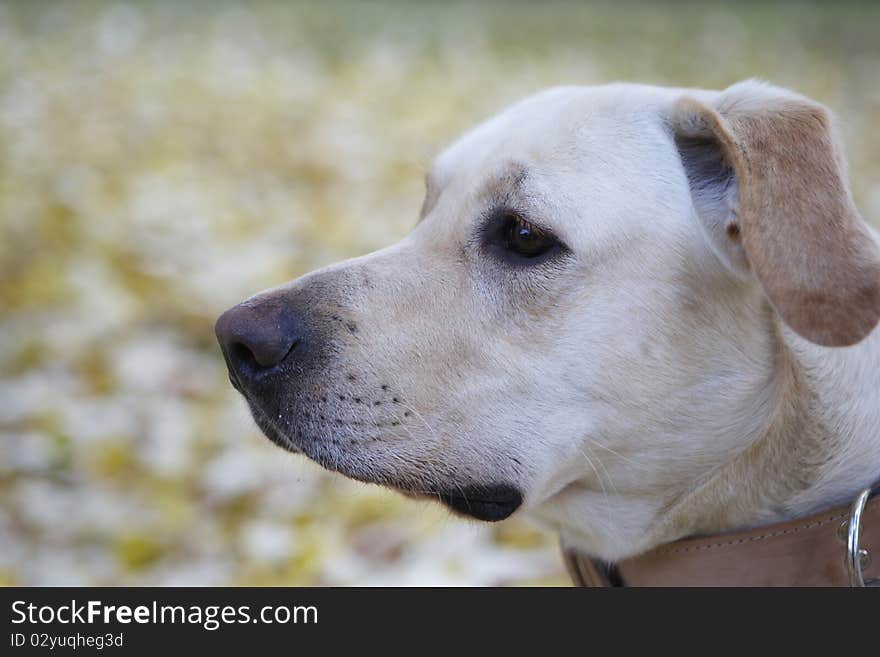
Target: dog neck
point(821, 447)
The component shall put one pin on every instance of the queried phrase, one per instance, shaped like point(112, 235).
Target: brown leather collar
point(809, 551)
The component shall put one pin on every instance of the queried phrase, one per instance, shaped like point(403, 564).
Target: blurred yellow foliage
point(161, 161)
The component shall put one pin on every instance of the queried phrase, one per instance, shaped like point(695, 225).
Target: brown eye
point(508, 237)
point(526, 240)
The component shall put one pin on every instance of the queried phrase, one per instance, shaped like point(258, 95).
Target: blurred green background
point(161, 161)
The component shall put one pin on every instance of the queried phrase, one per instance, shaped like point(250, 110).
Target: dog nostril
point(261, 356)
point(256, 337)
point(241, 354)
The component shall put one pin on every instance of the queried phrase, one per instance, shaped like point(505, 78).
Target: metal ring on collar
point(854, 554)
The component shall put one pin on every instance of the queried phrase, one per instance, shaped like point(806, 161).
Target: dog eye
point(526, 240)
point(508, 236)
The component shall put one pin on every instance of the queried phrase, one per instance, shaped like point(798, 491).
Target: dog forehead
point(526, 133)
point(556, 127)
point(593, 160)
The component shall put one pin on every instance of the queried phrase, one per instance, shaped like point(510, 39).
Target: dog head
point(584, 320)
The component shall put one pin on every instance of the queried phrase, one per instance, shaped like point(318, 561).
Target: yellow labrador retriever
point(635, 313)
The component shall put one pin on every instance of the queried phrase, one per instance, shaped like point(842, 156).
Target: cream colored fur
point(646, 389)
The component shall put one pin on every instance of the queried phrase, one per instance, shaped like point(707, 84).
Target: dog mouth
point(491, 503)
point(487, 502)
point(268, 428)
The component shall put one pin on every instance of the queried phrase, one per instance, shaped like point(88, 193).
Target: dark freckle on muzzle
point(286, 353)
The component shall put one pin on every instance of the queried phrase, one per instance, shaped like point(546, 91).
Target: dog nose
point(257, 335)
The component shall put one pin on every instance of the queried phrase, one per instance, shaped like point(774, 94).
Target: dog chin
point(488, 502)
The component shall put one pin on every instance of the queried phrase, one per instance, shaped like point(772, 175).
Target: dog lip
point(235, 384)
point(269, 428)
point(490, 502)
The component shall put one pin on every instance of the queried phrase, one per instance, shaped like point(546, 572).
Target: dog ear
point(768, 181)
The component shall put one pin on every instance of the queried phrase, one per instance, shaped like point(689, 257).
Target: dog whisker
point(607, 474)
point(598, 476)
point(615, 452)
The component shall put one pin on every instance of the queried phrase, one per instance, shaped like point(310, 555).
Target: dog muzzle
point(831, 548)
